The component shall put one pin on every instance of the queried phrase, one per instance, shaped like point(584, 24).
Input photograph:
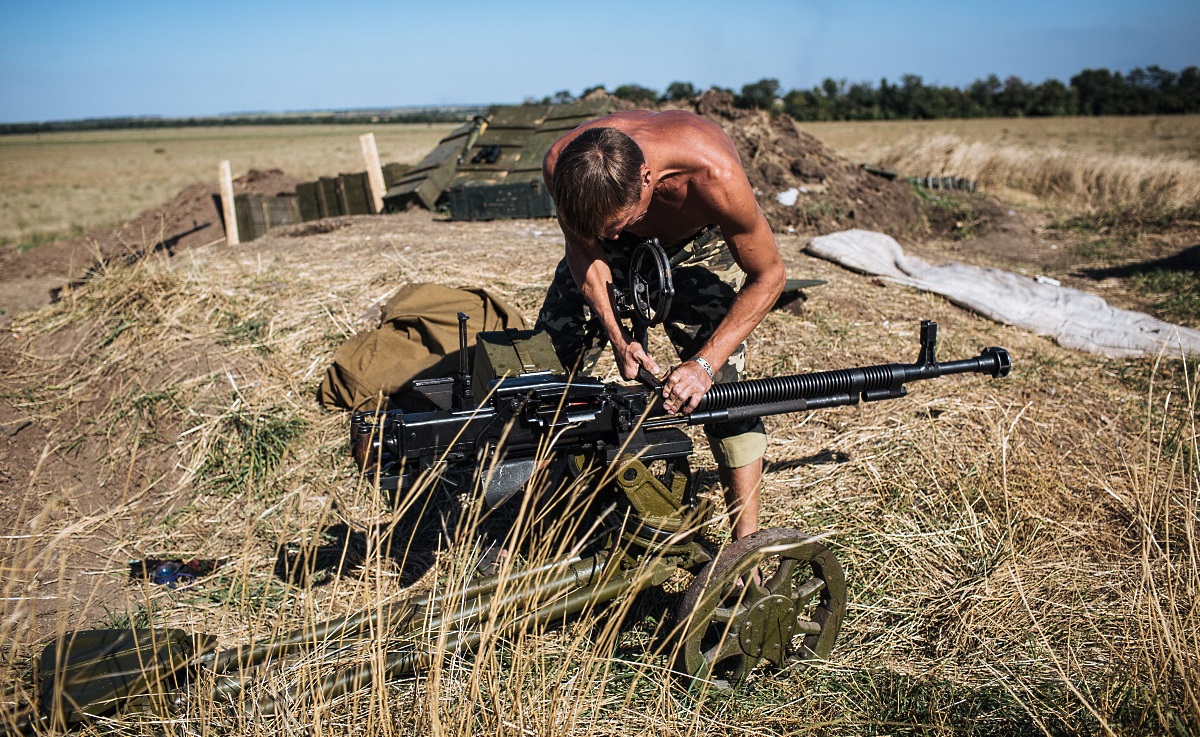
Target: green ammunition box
point(511, 352)
point(281, 209)
point(355, 194)
point(309, 201)
point(484, 200)
point(425, 182)
point(393, 172)
point(251, 218)
point(256, 214)
point(327, 193)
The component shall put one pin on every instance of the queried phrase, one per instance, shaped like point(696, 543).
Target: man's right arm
point(593, 275)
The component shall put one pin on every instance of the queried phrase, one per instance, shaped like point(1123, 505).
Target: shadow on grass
point(1187, 260)
point(824, 457)
point(411, 544)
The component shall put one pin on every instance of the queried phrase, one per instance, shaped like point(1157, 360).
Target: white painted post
point(374, 170)
point(231, 231)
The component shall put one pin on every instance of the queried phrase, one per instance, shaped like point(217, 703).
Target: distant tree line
point(355, 117)
point(1150, 91)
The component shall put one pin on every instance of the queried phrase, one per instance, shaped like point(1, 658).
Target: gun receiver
point(542, 411)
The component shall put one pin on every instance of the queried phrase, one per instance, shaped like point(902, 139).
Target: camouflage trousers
point(706, 280)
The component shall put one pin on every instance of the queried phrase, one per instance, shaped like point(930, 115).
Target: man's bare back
point(692, 177)
point(694, 162)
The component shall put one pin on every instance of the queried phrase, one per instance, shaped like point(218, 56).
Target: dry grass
point(1110, 186)
point(67, 183)
point(1139, 169)
point(1021, 554)
point(1167, 136)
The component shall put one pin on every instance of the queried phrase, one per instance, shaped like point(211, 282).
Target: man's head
point(597, 176)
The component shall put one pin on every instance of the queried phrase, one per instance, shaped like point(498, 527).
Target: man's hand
point(684, 387)
point(631, 358)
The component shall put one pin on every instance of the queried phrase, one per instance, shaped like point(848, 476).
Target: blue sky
point(75, 59)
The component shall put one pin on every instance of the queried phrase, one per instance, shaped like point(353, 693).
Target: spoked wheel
point(775, 595)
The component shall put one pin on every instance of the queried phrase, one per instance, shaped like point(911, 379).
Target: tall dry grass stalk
point(1162, 502)
point(1120, 186)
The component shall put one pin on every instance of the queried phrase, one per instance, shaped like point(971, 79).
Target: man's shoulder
point(631, 121)
point(639, 124)
point(676, 120)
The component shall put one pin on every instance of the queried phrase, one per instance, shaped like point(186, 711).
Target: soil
point(30, 279)
point(832, 192)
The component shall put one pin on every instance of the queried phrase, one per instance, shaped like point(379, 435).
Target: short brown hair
point(597, 175)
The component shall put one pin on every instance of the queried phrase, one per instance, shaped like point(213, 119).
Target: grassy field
point(1170, 136)
point(1128, 169)
point(58, 184)
point(1021, 554)
point(63, 184)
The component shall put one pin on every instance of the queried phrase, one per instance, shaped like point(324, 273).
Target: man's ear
point(645, 175)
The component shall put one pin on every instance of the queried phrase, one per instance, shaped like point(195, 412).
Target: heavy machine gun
point(777, 595)
point(532, 408)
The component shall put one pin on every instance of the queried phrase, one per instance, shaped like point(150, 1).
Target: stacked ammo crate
point(426, 182)
point(485, 169)
point(483, 187)
point(493, 170)
point(345, 194)
point(257, 213)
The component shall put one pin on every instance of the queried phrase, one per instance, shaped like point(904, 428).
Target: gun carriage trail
point(166, 403)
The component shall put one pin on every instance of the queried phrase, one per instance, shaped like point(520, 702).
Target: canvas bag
point(417, 339)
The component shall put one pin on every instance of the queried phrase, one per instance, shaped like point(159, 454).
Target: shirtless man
point(677, 177)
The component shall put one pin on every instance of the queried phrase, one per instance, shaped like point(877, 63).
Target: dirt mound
point(831, 193)
point(192, 218)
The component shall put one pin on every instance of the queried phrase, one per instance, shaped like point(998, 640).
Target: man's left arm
point(752, 245)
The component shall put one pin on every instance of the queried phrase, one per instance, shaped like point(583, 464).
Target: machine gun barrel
point(801, 392)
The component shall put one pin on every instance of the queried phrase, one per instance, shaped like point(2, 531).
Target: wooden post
point(231, 231)
point(374, 170)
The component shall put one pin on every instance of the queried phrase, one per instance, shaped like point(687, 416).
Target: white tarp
point(1073, 318)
